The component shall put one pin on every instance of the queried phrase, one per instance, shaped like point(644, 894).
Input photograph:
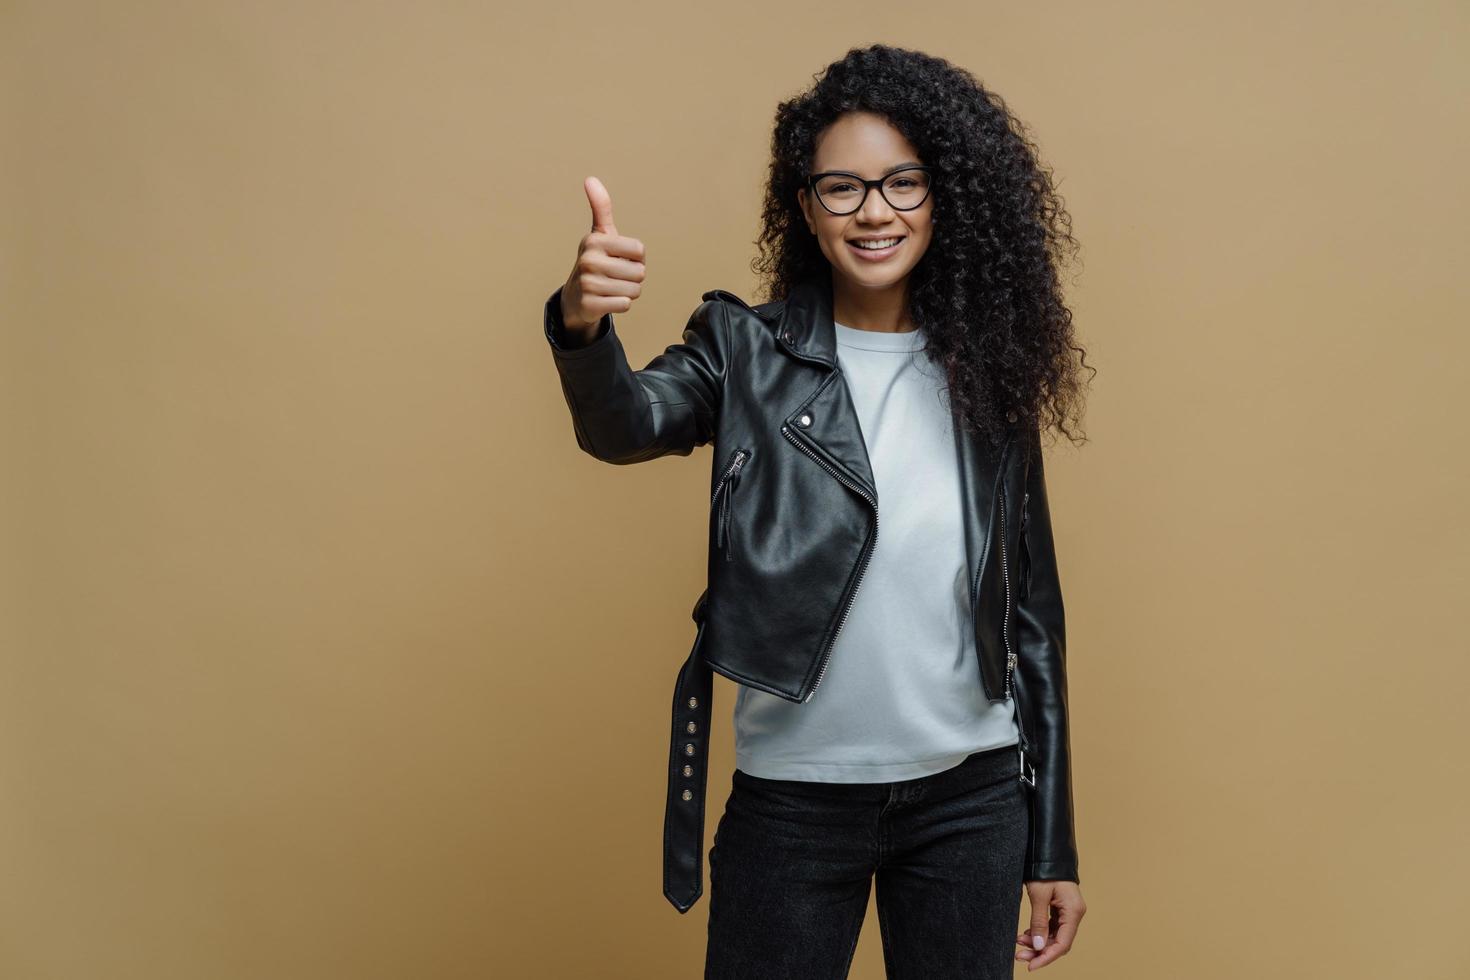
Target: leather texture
point(793, 519)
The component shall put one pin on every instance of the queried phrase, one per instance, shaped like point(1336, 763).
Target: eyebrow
point(907, 164)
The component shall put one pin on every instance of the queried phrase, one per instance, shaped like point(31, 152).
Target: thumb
point(601, 201)
point(1040, 917)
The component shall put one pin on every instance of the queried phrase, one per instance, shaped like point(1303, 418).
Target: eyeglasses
point(841, 192)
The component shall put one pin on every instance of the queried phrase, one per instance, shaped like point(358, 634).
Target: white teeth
point(879, 243)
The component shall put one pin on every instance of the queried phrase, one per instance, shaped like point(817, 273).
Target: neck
point(883, 309)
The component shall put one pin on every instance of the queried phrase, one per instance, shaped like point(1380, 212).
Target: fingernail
point(1037, 942)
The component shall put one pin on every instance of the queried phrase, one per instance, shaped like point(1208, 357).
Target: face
point(868, 145)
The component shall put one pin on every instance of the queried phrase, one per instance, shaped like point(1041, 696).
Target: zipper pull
point(1024, 766)
point(732, 477)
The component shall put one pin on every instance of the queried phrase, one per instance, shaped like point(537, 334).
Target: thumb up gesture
point(608, 274)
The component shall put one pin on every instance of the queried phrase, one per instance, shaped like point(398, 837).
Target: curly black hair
point(987, 289)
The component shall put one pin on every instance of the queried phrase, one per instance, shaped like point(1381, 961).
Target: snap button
point(804, 420)
point(688, 770)
point(1011, 415)
point(694, 702)
point(688, 748)
point(692, 728)
point(688, 795)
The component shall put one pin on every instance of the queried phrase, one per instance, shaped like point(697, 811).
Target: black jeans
point(792, 861)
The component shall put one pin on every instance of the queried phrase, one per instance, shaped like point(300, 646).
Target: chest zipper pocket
point(720, 500)
point(1025, 548)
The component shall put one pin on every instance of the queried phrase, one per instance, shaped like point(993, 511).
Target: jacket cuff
point(1052, 871)
point(555, 330)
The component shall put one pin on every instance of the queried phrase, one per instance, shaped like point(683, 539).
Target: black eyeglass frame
point(868, 185)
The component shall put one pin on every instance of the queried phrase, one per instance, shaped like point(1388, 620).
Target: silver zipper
point(975, 580)
point(722, 518)
point(1005, 618)
point(1010, 654)
point(867, 553)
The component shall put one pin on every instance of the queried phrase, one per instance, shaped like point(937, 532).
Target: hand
point(608, 274)
point(1056, 909)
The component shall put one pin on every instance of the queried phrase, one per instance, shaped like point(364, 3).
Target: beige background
point(326, 654)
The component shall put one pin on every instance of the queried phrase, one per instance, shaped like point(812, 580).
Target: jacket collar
point(805, 329)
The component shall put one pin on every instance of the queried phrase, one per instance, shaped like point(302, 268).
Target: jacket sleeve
point(1051, 852)
point(670, 406)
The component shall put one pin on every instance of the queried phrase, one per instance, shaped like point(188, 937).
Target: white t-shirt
point(901, 697)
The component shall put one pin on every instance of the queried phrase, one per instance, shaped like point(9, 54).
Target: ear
point(805, 204)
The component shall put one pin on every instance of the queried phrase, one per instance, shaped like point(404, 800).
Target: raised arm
point(621, 415)
point(668, 407)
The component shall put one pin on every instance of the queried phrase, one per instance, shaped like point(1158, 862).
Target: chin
point(876, 278)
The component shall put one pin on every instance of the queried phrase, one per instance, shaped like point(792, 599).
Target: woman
point(915, 346)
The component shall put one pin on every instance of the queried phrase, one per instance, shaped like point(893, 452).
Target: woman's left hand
point(1056, 909)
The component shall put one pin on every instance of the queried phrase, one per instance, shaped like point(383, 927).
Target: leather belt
point(688, 771)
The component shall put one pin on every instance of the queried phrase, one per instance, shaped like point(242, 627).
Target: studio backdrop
point(325, 653)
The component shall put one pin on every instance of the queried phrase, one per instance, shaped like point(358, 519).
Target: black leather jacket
point(793, 519)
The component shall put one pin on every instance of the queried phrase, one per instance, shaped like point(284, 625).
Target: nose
point(875, 209)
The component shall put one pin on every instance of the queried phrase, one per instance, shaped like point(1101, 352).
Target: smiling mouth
point(861, 242)
point(870, 254)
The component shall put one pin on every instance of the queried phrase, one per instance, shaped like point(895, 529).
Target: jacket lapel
point(824, 418)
